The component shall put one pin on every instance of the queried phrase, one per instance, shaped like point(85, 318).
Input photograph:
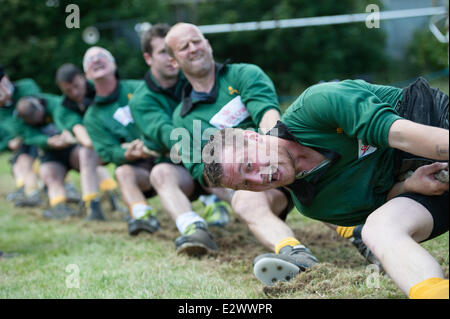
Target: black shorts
point(24, 149)
point(59, 156)
point(146, 164)
point(438, 208)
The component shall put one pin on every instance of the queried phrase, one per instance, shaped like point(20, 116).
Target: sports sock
point(19, 183)
point(36, 165)
point(345, 232)
point(140, 210)
point(108, 184)
point(289, 241)
point(88, 198)
point(57, 200)
point(431, 288)
point(186, 219)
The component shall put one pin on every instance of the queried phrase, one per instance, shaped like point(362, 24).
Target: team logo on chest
point(231, 115)
point(364, 150)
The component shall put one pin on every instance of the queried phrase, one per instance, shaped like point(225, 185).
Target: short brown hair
point(158, 30)
point(214, 169)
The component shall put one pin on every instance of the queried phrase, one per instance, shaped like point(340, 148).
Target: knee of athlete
point(373, 233)
point(244, 208)
point(50, 176)
point(24, 161)
point(161, 175)
point(124, 174)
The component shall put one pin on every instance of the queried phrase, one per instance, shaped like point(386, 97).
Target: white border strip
point(325, 20)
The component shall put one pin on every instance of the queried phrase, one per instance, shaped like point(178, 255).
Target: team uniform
point(242, 93)
point(152, 108)
point(71, 113)
point(9, 125)
point(38, 135)
point(348, 122)
point(110, 124)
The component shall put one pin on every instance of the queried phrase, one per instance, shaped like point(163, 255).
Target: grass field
point(80, 259)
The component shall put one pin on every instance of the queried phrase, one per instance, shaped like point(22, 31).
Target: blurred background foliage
point(36, 41)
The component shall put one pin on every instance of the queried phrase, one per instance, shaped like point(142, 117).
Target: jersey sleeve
point(257, 91)
point(153, 121)
point(105, 144)
point(358, 112)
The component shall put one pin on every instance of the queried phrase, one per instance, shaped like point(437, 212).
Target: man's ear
point(148, 58)
point(209, 46)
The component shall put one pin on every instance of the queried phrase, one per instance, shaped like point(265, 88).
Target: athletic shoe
point(60, 211)
point(115, 202)
point(357, 241)
point(148, 223)
point(32, 200)
point(72, 193)
point(7, 255)
point(19, 193)
point(196, 241)
point(217, 214)
point(271, 268)
point(95, 210)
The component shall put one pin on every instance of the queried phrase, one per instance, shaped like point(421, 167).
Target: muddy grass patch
point(321, 281)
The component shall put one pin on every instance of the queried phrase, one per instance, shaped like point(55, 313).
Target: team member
point(154, 102)
point(78, 95)
point(59, 151)
point(27, 190)
point(116, 139)
point(340, 149)
point(235, 95)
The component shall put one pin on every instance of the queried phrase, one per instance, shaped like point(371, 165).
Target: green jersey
point(71, 113)
point(8, 121)
point(152, 108)
point(348, 122)
point(109, 123)
point(242, 93)
point(38, 135)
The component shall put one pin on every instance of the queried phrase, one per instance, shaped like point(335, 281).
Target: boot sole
point(271, 270)
point(195, 250)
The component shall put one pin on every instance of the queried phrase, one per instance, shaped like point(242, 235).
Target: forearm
point(269, 120)
point(421, 140)
point(82, 135)
point(396, 190)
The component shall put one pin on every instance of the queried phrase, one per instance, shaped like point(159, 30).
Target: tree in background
point(427, 53)
point(37, 42)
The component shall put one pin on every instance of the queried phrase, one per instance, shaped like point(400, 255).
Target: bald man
point(116, 138)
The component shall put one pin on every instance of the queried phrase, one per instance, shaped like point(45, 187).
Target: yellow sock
point(88, 198)
point(345, 232)
point(57, 200)
point(19, 182)
point(290, 241)
point(431, 288)
point(108, 185)
point(36, 165)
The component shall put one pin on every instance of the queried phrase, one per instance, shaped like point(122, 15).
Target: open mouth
point(98, 67)
point(273, 176)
